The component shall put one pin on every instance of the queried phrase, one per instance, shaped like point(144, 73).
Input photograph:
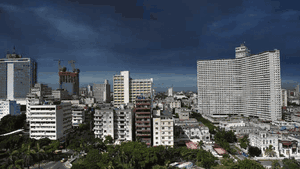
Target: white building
point(284, 98)
point(78, 116)
point(104, 123)
point(126, 89)
point(163, 129)
point(52, 121)
point(170, 91)
point(123, 125)
point(227, 125)
point(102, 92)
point(175, 104)
point(248, 85)
point(89, 101)
point(90, 90)
point(262, 140)
point(9, 107)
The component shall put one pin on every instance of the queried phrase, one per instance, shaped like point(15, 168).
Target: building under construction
point(69, 80)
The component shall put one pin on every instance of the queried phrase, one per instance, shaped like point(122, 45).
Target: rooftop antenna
point(14, 50)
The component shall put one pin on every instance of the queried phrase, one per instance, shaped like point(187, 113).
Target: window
point(156, 123)
point(163, 137)
point(156, 133)
point(163, 128)
point(156, 138)
point(156, 128)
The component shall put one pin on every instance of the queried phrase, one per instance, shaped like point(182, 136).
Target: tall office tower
point(102, 92)
point(17, 76)
point(249, 85)
point(284, 98)
point(126, 89)
point(170, 91)
point(297, 90)
point(51, 121)
point(143, 119)
point(90, 90)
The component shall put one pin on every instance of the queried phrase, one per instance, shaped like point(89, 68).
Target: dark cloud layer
point(149, 36)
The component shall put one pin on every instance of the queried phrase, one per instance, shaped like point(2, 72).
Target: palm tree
point(13, 161)
point(270, 152)
point(200, 144)
point(40, 152)
point(27, 155)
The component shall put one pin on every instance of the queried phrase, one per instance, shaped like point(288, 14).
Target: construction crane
point(72, 62)
point(59, 66)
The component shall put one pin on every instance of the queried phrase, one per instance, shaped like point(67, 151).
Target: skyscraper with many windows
point(17, 76)
point(249, 85)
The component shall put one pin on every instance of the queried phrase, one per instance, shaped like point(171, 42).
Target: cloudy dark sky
point(152, 39)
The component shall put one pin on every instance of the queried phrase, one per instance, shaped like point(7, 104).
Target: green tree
point(13, 160)
point(206, 158)
point(108, 139)
point(247, 164)
point(201, 144)
point(276, 165)
point(27, 154)
point(254, 151)
point(244, 142)
point(270, 152)
point(40, 153)
point(290, 163)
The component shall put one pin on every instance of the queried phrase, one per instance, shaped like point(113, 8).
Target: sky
point(152, 39)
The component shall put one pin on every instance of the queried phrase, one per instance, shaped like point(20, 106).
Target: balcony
point(97, 119)
point(122, 133)
point(121, 119)
point(122, 128)
point(142, 126)
point(141, 135)
point(121, 115)
point(98, 124)
point(142, 112)
point(142, 108)
point(139, 103)
point(142, 117)
point(142, 130)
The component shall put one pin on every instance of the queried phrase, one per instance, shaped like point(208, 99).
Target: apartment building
point(102, 92)
point(78, 116)
point(127, 89)
point(50, 120)
point(175, 104)
point(9, 107)
point(104, 123)
point(124, 119)
point(163, 129)
point(248, 85)
point(143, 119)
point(284, 98)
point(262, 139)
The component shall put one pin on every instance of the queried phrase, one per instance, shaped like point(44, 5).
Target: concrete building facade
point(163, 129)
point(17, 76)
point(127, 89)
point(51, 121)
point(102, 92)
point(249, 85)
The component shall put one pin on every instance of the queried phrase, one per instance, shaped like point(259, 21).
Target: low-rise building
point(263, 139)
point(175, 104)
point(228, 125)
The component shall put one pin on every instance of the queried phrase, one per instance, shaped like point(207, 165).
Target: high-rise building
point(170, 91)
point(17, 76)
point(51, 121)
point(90, 90)
point(9, 107)
point(248, 85)
point(297, 90)
point(143, 119)
point(163, 128)
point(127, 89)
point(102, 92)
point(284, 98)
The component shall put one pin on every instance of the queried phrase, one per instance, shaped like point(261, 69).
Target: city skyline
point(149, 39)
